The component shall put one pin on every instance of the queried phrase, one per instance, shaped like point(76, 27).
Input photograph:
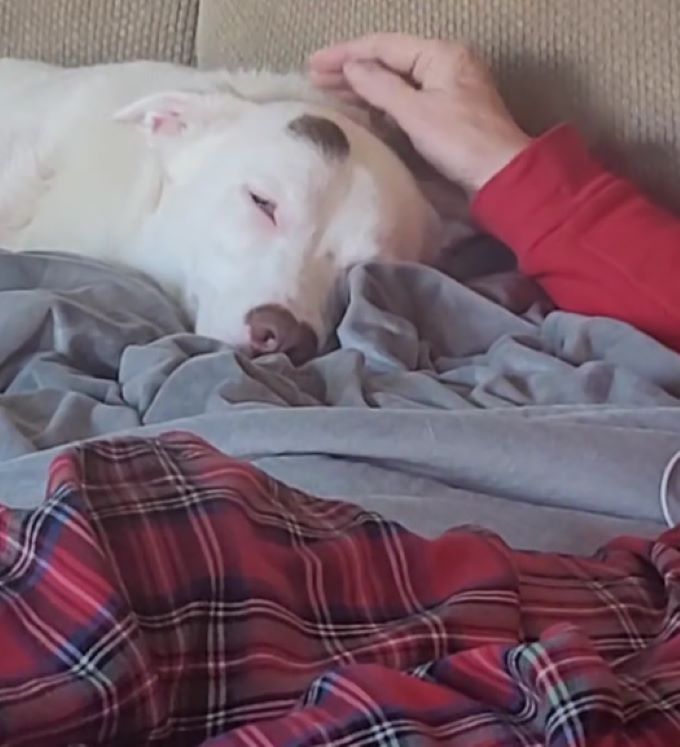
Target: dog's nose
point(274, 329)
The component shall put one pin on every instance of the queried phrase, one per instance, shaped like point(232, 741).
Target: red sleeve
point(594, 243)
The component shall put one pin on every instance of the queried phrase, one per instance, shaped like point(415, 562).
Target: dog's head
point(265, 205)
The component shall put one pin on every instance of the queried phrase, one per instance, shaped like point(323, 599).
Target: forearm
point(593, 242)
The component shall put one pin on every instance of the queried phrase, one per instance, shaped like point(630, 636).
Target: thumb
point(381, 88)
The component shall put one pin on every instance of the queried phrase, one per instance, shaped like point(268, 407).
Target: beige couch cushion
point(85, 31)
point(613, 66)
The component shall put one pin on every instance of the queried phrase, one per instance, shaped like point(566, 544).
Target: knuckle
point(463, 53)
point(463, 61)
point(441, 48)
point(454, 54)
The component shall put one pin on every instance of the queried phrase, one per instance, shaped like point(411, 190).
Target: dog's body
point(243, 194)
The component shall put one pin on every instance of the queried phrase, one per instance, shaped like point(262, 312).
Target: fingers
point(367, 81)
point(399, 52)
point(330, 80)
point(382, 89)
point(348, 97)
point(335, 84)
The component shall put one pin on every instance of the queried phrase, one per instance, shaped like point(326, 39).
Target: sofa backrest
point(78, 32)
point(612, 66)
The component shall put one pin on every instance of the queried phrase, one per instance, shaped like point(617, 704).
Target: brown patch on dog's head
point(323, 133)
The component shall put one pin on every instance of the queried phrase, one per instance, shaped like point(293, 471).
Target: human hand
point(440, 93)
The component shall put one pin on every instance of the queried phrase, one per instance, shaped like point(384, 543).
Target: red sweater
point(593, 242)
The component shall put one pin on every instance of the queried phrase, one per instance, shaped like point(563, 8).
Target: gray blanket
point(439, 404)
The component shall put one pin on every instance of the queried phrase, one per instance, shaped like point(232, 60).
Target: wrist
point(496, 154)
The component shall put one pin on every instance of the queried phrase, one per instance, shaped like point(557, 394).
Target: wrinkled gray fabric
point(440, 404)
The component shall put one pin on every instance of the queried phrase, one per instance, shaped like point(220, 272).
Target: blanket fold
point(476, 400)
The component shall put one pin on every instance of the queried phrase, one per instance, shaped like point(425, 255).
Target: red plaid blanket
point(165, 594)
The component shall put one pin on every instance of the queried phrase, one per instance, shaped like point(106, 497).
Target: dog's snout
point(274, 329)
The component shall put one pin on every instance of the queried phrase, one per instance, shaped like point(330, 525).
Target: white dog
point(244, 195)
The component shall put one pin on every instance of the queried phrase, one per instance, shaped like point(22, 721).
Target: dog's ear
point(174, 113)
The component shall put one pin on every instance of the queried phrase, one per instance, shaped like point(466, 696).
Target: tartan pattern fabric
point(165, 594)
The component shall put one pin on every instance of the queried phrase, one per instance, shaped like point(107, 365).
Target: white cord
point(665, 484)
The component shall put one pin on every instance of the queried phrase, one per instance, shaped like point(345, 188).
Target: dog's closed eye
point(264, 205)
